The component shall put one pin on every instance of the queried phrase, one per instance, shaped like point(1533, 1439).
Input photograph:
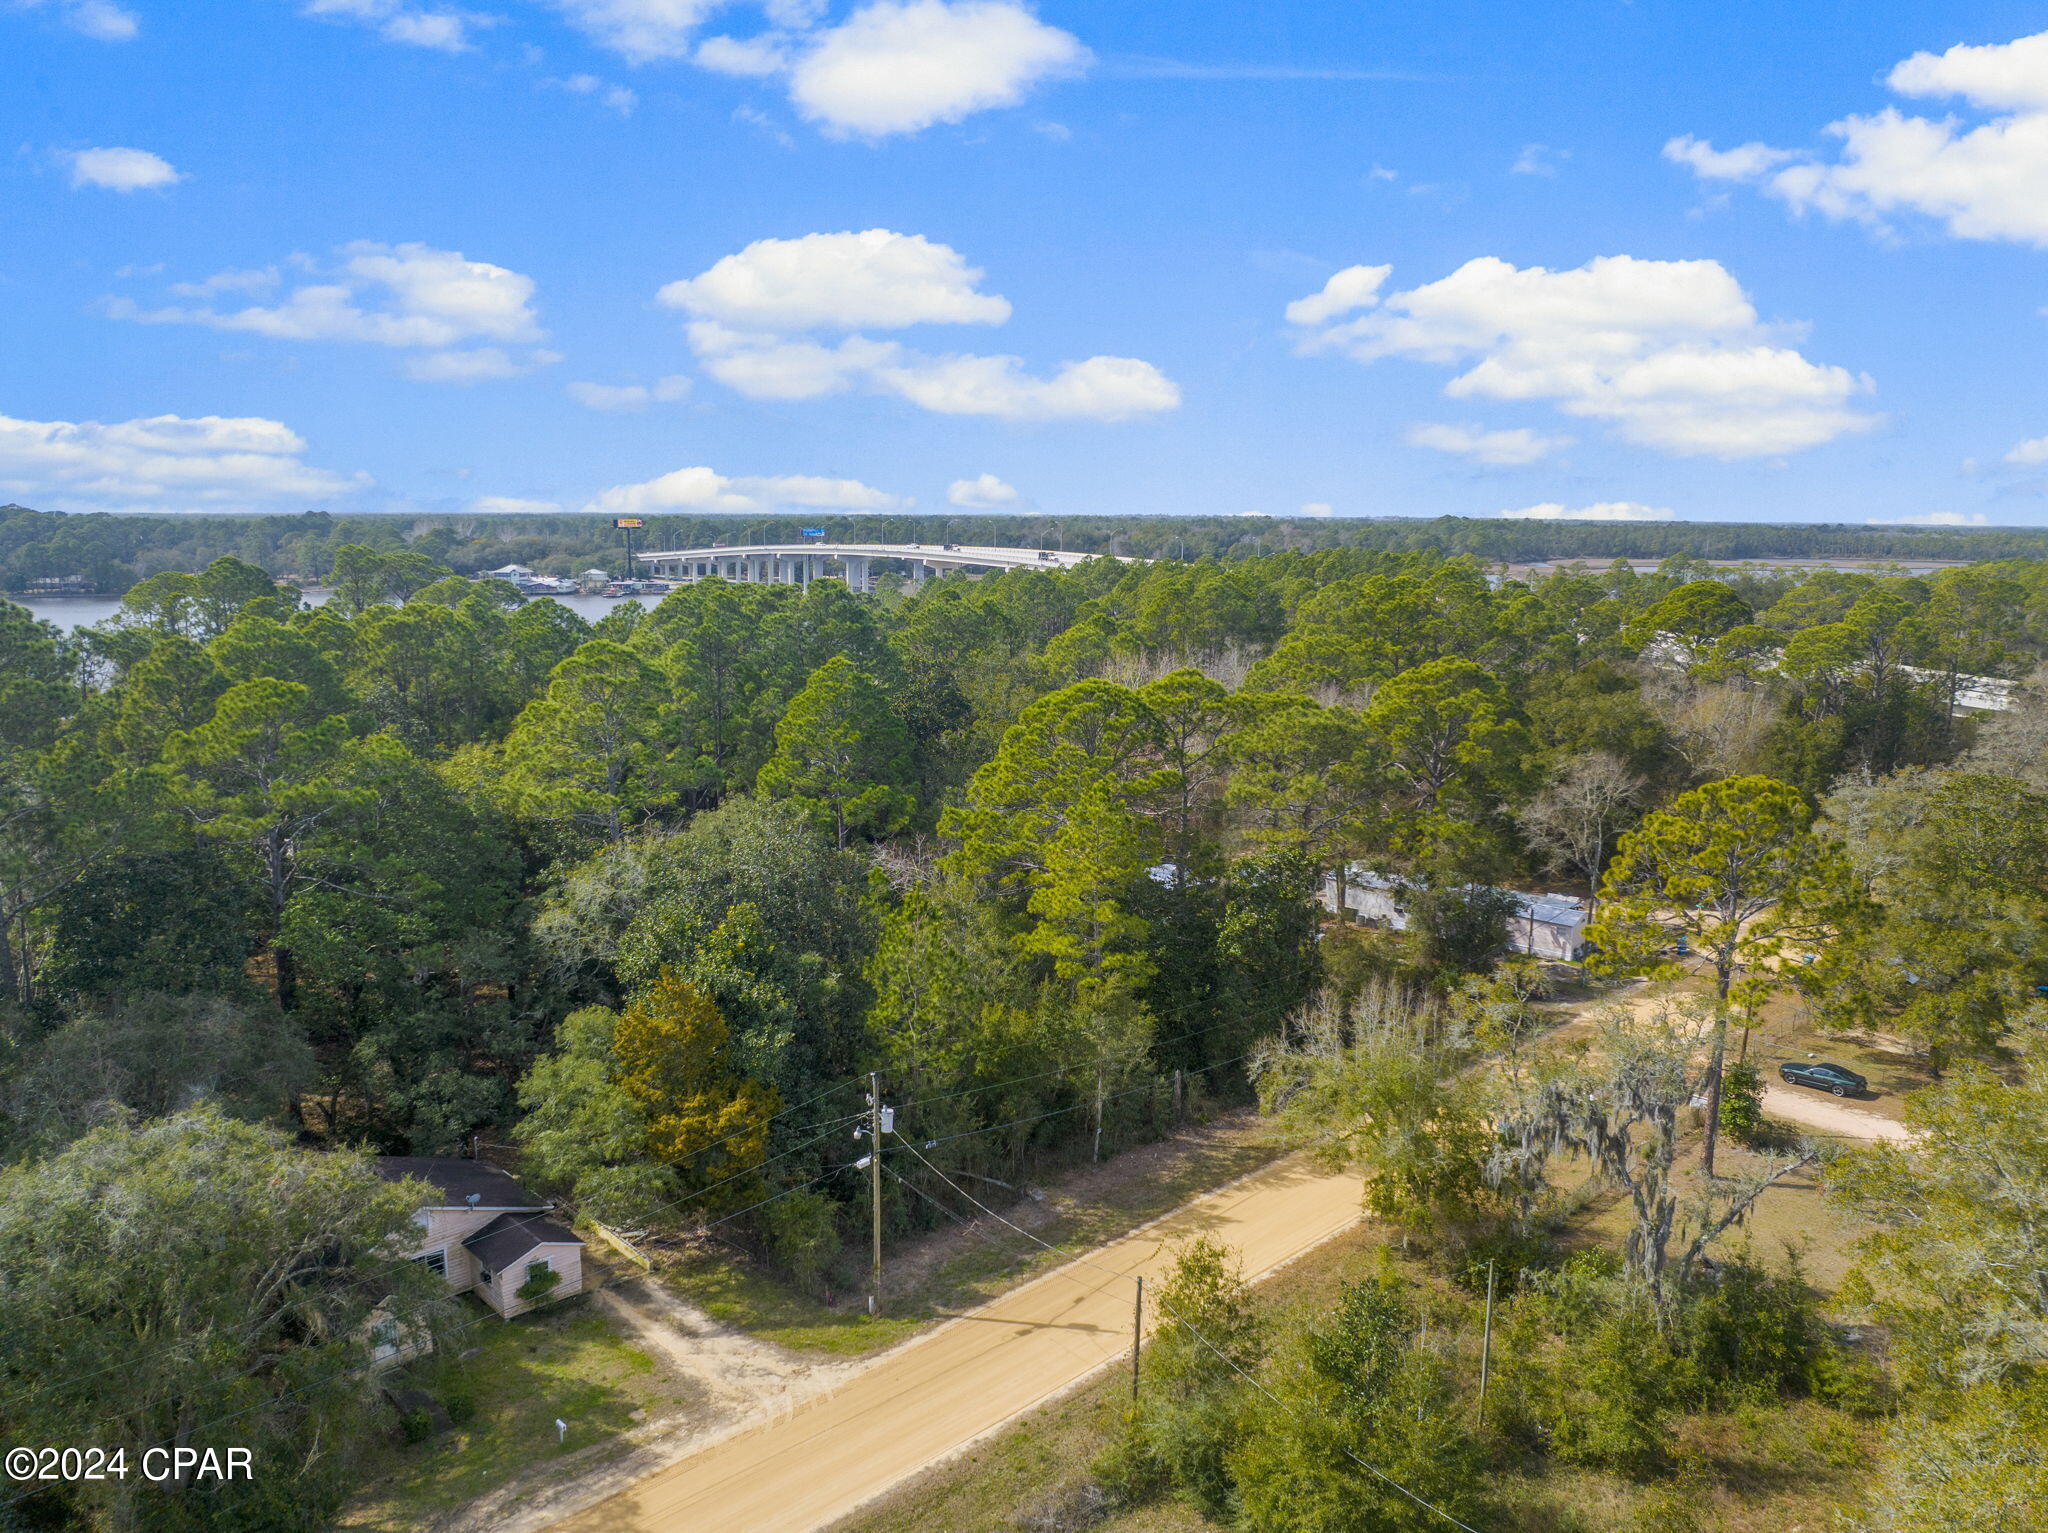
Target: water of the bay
point(69, 612)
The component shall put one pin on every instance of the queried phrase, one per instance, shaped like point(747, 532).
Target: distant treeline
point(110, 553)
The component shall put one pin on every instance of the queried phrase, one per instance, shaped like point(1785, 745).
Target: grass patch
point(566, 1361)
point(736, 1292)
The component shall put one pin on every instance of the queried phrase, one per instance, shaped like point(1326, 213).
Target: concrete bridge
point(801, 563)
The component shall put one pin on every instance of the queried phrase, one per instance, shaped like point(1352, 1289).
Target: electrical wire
point(1192, 1330)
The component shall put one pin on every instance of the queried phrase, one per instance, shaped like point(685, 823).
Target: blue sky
point(1746, 261)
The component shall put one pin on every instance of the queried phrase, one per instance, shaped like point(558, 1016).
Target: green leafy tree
point(1381, 1094)
point(1695, 615)
point(1356, 1391)
point(187, 1270)
point(1209, 1335)
point(1303, 779)
point(171, 688)
point(1974, 1460)
point(1954, 1268)
point(1449, 733)
point(675, 1062)
point(267, 772)
point(365, 576)
point(594, 750)
point(1956, 936)
point(156, 1054)
point(1195, 717)
point(1732, 868)
point(949, 989)
point(583, 1134)
point(842, 754)
point(176, 921)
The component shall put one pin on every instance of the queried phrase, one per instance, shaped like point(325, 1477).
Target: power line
point(1192, 1330)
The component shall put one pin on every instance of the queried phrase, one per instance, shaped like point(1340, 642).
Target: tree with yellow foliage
point(674, 1058)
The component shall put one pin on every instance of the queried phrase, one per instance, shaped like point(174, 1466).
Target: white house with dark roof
point(485, 1233)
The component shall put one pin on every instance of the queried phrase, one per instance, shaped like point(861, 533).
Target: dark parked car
point(1824, 1077)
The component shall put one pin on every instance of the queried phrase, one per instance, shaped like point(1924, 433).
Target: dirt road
point(1829, 1115)
point(940, 1393)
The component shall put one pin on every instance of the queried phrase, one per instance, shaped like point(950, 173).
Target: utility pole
point(875, 1188)
point(1486, 1345)
point(1096, 1154)
point(1137, 1334)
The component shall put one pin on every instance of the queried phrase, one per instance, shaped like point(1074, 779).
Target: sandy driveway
point(1830, 1115)
point(957, 1384)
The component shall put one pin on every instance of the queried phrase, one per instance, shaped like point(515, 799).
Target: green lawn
point(567, 1361)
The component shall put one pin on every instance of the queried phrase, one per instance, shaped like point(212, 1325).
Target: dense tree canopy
point(1042, 849)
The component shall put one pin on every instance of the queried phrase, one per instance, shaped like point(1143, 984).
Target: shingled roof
point(510, 1236)
point(459, 1180)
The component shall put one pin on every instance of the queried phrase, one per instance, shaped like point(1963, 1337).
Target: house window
point(543, 1265)
point(482, 1276)
point(435, 1262)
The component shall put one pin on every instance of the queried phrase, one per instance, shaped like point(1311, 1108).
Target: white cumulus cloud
point(755, 315)
point(1355, 287)
point(2030, 452)
point(162, 463)
point(895, 67)
point(399, 21)
point(887, 67)
point(1501, 449)
point(121, 170)
point(1988, 181)
point(639, 30)
point(1745, 162)
point(409, 296)
point(1101, 388)
point(628, 396)
point(511, 505)
point(1671, 354)
point(1538, 160)
point(876, 279)
point(984, 492)
point(1599, 511)
point(704, 489)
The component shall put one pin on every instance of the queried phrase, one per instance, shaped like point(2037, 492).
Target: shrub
point(803, 1233)
point(1615, 1406)
point(461, 1409)
point(540, 1282)
point(1742, 1102)
point(415, 1426)
point(1751, 1334)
